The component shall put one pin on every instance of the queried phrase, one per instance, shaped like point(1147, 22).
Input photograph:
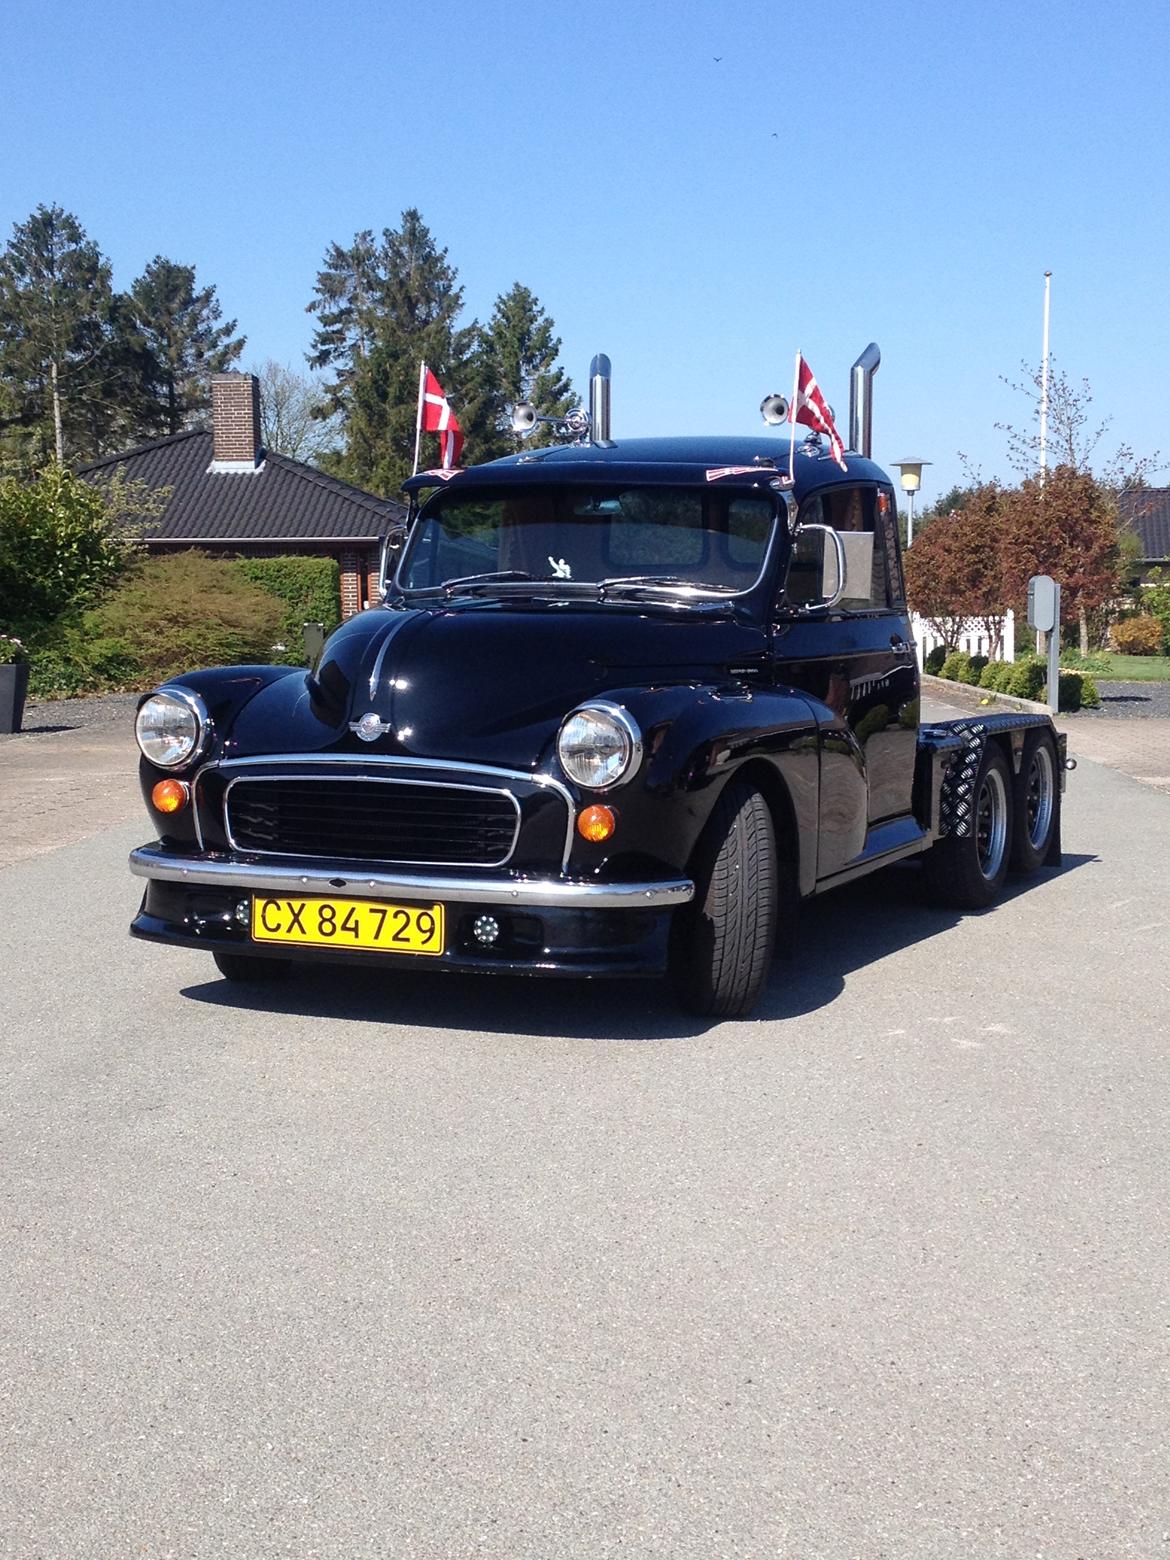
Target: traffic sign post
point(1044, 615)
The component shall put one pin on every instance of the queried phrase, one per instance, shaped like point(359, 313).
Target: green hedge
point(310, 590)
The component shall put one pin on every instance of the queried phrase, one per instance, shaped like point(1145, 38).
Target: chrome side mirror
point(816, 572)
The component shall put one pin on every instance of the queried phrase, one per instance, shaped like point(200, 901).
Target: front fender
point(696, 738)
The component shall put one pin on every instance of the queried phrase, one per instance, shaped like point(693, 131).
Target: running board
point(885, 843)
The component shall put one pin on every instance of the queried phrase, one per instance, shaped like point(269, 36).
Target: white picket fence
point(973, 640)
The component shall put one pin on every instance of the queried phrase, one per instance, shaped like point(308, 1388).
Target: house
point(233, 497)
point(1146, 512)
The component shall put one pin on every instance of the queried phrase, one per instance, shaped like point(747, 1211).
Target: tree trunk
point(58, 434)
point(1084, 622)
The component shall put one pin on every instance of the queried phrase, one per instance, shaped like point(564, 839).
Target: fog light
point(243, 912)
point(486, 929)
point(169, 796)
point(596, 823)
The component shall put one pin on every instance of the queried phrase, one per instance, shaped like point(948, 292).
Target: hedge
point(310, 591)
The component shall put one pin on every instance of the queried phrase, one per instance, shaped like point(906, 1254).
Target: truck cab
point(625, 703)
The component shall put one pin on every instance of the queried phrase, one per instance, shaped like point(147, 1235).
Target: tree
point(180, 327)
point(63, 540)
point(383, 308)
point(60, 346)
point(1073, 432)
point(520, 341)
point(955, 568)
point(295, 419)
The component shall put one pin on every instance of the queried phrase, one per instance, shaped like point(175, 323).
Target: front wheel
point(967, 870)
point(722, 942)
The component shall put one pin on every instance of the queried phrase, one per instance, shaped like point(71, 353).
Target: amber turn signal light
point(596, 823)
point(169, 796)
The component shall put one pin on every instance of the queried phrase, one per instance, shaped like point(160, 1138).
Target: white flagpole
point(792, 415)
point(1044, 383)
point(422, 385)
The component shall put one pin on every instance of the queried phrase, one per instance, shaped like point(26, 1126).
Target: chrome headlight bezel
point(193, 706)
point(618, 724)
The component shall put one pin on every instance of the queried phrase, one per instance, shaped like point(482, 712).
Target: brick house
point(233, 497)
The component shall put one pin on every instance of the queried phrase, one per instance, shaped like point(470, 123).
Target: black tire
point(249, 966)
point(722, 942)
point(1037, 803)
point(967, 870)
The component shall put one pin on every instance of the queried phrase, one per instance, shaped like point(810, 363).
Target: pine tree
point(61, 351)
point(181, 329)
point(520, 341)
point(383, 308)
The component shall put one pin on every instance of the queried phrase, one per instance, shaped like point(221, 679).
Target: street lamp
point(911, 481)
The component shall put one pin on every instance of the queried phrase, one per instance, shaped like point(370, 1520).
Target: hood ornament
point(370, 727)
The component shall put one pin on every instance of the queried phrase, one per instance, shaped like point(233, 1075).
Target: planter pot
point(13, 687)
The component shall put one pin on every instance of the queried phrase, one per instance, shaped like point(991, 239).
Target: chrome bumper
point(150, 861)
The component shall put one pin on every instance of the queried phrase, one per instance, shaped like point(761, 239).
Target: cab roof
point(663, 461)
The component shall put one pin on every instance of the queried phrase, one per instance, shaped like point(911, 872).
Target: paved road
point(431, 1267)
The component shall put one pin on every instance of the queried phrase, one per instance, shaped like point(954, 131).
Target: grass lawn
point(1133, 668)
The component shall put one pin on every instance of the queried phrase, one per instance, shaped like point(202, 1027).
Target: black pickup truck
point(624, 705)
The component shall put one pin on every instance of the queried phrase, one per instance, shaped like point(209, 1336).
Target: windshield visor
point(682, 538)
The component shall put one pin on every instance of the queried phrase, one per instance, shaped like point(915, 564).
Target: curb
point(972, 698)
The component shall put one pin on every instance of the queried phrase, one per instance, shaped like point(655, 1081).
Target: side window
point(864, 521)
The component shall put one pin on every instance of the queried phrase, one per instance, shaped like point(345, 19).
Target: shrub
point(975, 670)
point(957, 667)
point(1090, 698)
point(309, 589)
point(1084, 663)
point(1138, 636)
point(1077, 691)
point(934, 660)
point(995, 675)
point(1026, 679)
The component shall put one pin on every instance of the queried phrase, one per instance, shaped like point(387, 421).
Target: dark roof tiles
point(1147, 511)
point(281, 501)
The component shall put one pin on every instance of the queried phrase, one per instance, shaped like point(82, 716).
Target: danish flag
point(810, 407)
point(435, 416)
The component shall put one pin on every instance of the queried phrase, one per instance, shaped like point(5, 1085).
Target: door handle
point(899, 646)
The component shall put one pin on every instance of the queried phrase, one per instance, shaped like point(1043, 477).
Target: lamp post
point(911, 481)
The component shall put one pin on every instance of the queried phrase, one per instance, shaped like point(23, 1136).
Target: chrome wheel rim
point(1040, 796)
point(991, 815)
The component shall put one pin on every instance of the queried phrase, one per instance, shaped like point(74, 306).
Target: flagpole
point(792, 416)
point(422, 385)
point(1044, 383)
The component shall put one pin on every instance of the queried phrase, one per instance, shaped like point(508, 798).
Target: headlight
point(599, 745)
point(171, 728)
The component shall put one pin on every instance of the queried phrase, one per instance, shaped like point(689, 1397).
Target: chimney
point(235, 422)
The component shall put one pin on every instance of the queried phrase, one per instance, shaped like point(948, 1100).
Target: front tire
point(1037, 803)
point(967, 870)
point(722, 942)
point(248, 967)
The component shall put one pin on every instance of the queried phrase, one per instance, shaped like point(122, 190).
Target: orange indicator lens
point(170, 795)
point(596, 823)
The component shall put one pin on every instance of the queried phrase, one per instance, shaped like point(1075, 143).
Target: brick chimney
point(235, 422)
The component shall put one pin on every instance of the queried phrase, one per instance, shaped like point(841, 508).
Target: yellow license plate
point(348, 923)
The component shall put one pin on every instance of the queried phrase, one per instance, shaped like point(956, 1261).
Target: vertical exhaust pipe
point(599, 372)
point(861, 400)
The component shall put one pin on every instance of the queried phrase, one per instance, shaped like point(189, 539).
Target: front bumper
point(548, 925)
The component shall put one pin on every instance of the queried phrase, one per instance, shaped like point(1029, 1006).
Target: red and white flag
point(435, 416)
point(810, 407)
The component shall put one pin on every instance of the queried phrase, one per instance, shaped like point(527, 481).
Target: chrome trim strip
point(435, 785)
point(150, 861)
point(392, 632)
point(451, 765)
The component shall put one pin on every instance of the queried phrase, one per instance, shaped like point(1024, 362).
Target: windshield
point(672, 538)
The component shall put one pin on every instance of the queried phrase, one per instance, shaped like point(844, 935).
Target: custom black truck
point(624, 704)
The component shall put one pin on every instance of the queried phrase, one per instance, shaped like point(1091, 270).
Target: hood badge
point(370, 727)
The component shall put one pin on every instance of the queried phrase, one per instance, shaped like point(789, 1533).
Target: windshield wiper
point(671, 581)
point(490, 577)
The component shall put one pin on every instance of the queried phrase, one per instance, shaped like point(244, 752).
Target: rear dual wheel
point(967, 870)
point(1037, 803)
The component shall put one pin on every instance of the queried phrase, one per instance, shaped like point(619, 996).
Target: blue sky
point(899, 170)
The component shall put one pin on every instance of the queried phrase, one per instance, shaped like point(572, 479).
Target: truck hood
point(489, 682)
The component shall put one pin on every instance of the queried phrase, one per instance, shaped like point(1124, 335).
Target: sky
point(696, 189)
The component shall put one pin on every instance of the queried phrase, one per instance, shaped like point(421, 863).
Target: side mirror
point(816, 569)
point(392, 545)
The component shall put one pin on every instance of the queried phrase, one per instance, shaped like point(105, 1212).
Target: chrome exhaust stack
point(861, 400)
point(599, 375)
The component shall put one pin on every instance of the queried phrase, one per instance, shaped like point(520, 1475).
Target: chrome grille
point(412, 822)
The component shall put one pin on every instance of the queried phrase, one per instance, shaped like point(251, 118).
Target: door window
point(863, 518)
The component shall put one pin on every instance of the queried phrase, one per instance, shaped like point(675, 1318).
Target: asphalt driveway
point(447, 1267)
